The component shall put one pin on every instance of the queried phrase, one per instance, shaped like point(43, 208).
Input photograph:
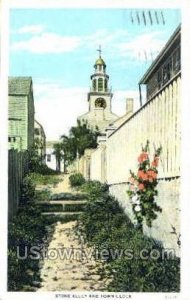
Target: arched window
point(94, 85)
point(100, 84)
point(106, 85)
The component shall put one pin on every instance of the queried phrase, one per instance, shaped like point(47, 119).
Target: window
point(106, 85)
point(159, 78)
point(100, 84)
point(167, 70)
point(48, 157)
point(165, 73)
point(12, 139)
point(94, 84)
point(176, 61)
point(37, 131)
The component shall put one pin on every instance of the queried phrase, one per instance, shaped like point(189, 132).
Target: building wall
point(18, 110)
point(30, 122)
point(50, 158)
point(21, 121)
point(40, 141)
point(98, 117)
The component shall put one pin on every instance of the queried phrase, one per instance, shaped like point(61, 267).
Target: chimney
point(129, 105)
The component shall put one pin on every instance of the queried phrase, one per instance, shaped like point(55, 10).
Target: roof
point(19, 85)
point(38, 125)
point(100, 61)
point(162, 55)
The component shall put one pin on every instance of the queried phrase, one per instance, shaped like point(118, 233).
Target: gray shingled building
point(21, 113)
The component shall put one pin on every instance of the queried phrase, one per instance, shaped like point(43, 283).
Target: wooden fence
point(157, 121)
point(17, 169)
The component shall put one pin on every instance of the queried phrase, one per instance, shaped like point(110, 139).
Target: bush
point(43, 195)
point(45, 170)
point(35, 165)
point(27, 190)
point(106, 227)
point(38, 178)
point(76, 179)
point(28, 228)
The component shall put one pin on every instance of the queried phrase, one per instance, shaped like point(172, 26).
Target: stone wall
point(168, 200)
point(98, 164)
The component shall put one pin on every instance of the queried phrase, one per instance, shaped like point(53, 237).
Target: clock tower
point(99, 98)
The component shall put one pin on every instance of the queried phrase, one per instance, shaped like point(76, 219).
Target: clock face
point(100, 102)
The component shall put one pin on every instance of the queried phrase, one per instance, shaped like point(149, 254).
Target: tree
point(80, 138)
point(58, 152)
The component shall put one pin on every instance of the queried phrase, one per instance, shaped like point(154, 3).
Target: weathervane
point(100, 51)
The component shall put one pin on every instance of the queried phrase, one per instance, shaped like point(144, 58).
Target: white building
point(51, 161)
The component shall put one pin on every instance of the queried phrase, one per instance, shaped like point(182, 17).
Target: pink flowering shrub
point(142, 188)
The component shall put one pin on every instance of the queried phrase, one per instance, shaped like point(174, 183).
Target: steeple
point(99, 97)
point(99, 78)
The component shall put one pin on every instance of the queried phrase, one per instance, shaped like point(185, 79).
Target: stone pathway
point(69, 265)
point(71, 270)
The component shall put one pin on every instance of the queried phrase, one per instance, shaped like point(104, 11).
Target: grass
point(43, 195)
point(39, 179)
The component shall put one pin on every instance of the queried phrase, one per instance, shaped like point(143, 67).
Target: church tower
point(99, 98)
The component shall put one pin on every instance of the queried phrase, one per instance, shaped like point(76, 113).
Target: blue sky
point(57, 47)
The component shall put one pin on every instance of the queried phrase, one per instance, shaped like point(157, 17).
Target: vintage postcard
point(94, 136)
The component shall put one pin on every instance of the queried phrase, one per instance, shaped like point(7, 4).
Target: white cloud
point(31, 29)
point(143, 47)
point(48, 43)
point(57, 108)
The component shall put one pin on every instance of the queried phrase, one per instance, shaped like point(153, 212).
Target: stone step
point(67, 197)
point(68, 213)
point(62, 206)
point(62, 202)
